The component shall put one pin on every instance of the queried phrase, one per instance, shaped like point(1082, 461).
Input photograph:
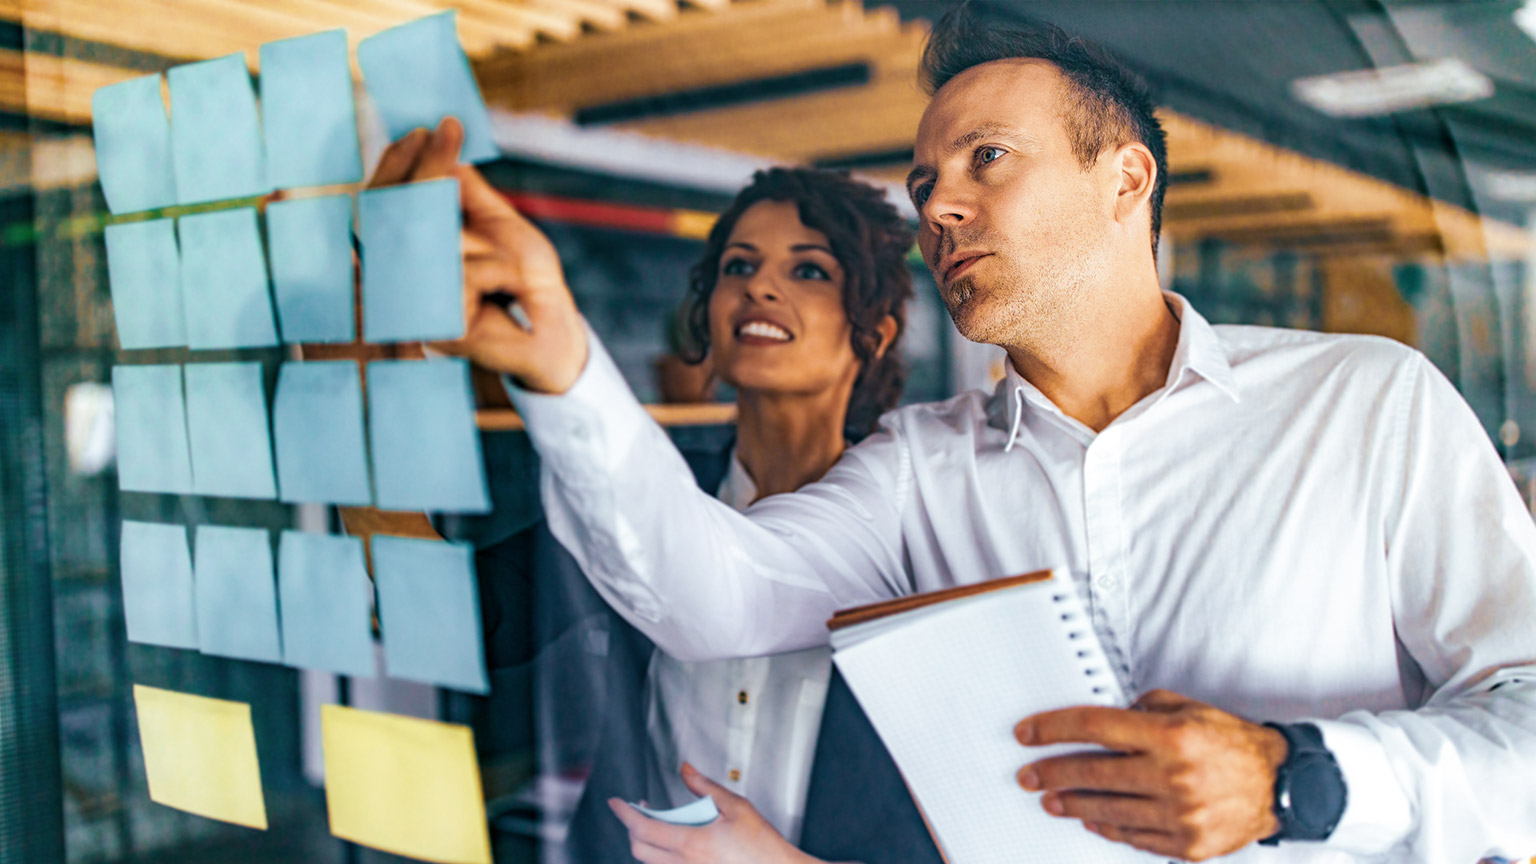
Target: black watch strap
point(1310, 793)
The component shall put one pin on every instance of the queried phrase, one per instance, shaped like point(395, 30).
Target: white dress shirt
point(1295, 526)
point(750, 724)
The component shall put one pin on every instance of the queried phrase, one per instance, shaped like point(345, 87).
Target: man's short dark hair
point(1107, 103)
point(869, 238)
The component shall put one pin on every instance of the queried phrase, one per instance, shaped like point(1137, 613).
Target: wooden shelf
point(701, 414)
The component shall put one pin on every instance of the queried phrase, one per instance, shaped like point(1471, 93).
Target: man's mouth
point(959, 267)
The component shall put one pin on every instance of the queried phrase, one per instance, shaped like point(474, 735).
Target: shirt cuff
point(586, 431)
point(1378, 814)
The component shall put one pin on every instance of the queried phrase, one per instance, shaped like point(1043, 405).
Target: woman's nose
point(763, 286)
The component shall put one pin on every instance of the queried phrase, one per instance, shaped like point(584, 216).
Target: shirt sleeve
point(1453, 779)
point(701, 580)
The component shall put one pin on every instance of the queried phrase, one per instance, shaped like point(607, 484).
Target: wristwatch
point(1310, 793)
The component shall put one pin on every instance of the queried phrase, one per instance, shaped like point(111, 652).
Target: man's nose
point(948, 206)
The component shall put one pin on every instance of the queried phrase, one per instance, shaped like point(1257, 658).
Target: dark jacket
point(857, 808)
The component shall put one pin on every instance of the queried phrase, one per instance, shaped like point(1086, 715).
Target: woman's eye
point(737, 267)
point(810, 271)
point(985, 155)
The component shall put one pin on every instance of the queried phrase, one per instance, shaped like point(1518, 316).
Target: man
point(1267, 525)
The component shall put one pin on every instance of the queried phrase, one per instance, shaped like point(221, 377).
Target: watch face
point(1316, 793)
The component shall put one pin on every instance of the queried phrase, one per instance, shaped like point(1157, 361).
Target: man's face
point(1012, 227)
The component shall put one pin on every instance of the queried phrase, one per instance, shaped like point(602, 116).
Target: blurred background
point(1364, 166)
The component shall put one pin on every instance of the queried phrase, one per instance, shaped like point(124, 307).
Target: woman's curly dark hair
point(869, 239)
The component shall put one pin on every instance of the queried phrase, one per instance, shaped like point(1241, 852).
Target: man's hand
point(739, 836)
point(506, 260)
point(1185, 780)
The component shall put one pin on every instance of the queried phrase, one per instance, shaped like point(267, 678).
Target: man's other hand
point(740, 835)
point(1185, 779)
point(506, 260)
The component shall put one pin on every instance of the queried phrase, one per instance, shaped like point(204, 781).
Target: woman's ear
point(887, 330)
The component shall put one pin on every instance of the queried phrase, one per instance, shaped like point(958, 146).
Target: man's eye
point(809, 271)
point(988, 154)
point(737, 267)
point(921, 193)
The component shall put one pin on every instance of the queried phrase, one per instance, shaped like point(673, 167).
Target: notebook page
point(946, 691)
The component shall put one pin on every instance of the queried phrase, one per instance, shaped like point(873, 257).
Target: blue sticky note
point(215, 136)
point(227, 426)
point(429, 612)
point(236, 595)
point(151, 417)
point(317, 422)
point(413, 266)
point(224, 281)
point(417, 74)
point(158, 600)
point(326, 600)
point(311, 244)
point(133, 145)
point(144, 270)
point(426, 448)
point(307, 112)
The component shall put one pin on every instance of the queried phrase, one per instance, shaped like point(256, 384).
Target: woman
point(798, 303)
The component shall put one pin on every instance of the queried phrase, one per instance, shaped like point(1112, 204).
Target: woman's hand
point(506, 260)
point(739, 836)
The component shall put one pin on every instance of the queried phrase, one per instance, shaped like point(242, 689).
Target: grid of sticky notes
point(195, 263)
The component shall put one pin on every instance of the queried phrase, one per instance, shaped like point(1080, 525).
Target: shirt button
point(742, 697)
point(735, 775)
point(1107, 582)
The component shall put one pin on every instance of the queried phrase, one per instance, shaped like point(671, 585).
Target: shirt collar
point(737, 489)
point(1199, 351)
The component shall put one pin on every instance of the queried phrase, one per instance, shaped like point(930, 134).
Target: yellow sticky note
point(403, 785)
point(200, 755)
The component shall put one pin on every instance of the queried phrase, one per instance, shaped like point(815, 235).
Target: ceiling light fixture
point(1373, 92)
point(1511, 185)
point(1525, 18)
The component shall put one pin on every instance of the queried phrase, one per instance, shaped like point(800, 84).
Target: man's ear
point(887, 330)
point(1137, 171)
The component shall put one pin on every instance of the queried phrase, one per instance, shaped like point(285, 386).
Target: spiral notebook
point(944, 677)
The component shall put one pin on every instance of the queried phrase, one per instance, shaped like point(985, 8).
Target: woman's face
point(776, 319)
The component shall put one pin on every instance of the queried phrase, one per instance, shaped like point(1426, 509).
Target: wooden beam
point(54, 88)
point(537, 84)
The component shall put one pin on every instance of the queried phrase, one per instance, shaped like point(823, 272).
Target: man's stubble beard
point(1016, 311)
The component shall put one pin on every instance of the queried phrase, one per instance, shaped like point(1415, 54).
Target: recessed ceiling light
point(1511, 185)
point(1525, 18)
point(1371, 92)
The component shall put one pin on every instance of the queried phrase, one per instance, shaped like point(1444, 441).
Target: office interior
point(1349, 166)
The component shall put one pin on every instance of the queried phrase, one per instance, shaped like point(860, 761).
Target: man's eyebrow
point(921, 172)
point(988, 130)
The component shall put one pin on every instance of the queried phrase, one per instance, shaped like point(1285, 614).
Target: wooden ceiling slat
point(629, 75)
point(598, 15)
point(213, 28)
point(54, 88)
point(177, 36)
point(742, 17)
point(493, 13)
point(876, 117)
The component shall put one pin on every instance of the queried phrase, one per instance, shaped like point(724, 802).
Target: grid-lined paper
point(945, 686)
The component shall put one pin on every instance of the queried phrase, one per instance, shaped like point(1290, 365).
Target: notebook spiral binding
point(1074, 620)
